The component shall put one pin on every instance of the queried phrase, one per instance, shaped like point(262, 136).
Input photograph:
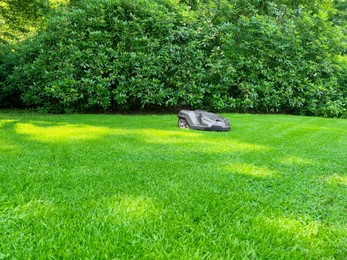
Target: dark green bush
point(283, 64)
point(144, 54)
point(113, 55)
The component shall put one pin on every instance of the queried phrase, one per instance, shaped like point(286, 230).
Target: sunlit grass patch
point(250, 169)
point(31, 209)
point(65, 132)
point(302, 235)
point(166, 136)
point(336, 179)
point(9, 149)
point(293, 160)
point(289, 226)
point(60, 133)
point(223, 145)
point(237, 145)
point(129, 208)
point(6, 121)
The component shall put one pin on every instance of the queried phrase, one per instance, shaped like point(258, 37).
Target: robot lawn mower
point(202, 120)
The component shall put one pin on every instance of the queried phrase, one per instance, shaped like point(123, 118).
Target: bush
point(131, 55)
point(282, 64)
point(113, 55)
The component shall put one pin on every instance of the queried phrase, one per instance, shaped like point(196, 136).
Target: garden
point(93, 164)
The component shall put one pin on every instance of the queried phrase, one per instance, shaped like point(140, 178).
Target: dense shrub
point(281, 64)
point(219, 55)
point(112, 54)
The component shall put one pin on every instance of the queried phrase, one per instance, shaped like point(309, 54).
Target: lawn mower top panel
point(202, 120)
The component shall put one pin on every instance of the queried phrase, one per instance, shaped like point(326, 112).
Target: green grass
point(115, 186)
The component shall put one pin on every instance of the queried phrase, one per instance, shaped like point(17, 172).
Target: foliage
point(20, 18)
point(341, 7)
point(219, 55)
point(282, 64)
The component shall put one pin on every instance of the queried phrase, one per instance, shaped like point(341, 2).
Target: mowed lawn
point(134, 186)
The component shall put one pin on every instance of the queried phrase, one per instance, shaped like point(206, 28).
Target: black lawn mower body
point(202, 120)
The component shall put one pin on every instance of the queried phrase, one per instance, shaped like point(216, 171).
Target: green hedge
point(146, 54)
